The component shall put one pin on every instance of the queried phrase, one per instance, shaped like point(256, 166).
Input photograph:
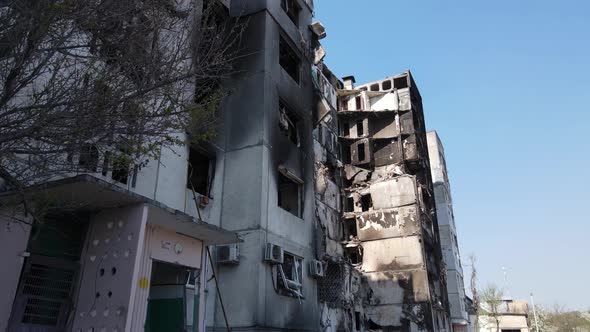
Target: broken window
point(288, 59)
point(288, 123)
point(366, 202)
point(345, 129)
point(292, 10)
point(400, 82)
point(290, 275)
point(375, 87)
point(290, 194)
point(201, 166)
point(360, 131)
point(88, 157)
point(358, 102)
point(386, 85)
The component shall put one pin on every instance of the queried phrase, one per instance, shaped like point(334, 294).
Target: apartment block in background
point(448, 233)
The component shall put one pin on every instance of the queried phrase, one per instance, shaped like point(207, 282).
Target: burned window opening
point(289, 60)
point(358, 102)
point(375, 87)
point(89, 157)
point(357, 320)
point(349, 206)
point(292, 10)
point(400, 82)
point(361, 152)
point(290, 276)
point(386, 85)
point(288, 123)
point(344, 104)
point(366, 202)
point(346, 156)
point(200, 171)
point(345, 129)
point(360, 130)
point(354, 254)
point(351, 231)
point(290, 195)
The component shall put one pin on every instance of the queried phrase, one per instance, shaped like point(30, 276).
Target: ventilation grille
point(47, 290)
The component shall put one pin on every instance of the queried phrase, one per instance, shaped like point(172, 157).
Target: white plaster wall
point(14, 237)
point(172, 177)
point(171, 247)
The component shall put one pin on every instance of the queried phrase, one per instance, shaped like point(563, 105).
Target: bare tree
point(109, 80)
point(473, 287)
point(491, 304)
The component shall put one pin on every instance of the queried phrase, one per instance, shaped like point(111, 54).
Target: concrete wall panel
point(397, 192)
point(401, 253)
point(381, 224)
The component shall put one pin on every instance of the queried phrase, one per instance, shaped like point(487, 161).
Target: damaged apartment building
point(389, 211)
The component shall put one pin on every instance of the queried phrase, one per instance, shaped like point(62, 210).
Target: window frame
point(288, 175)
point(289, 7)
point(211, 163)
point(283, 289)
point(290, 53)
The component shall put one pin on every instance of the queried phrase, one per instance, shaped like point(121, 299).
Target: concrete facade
point(256, 153)
point(448, 232)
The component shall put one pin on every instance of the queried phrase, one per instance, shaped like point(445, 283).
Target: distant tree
point(473, 286)
point(491, 304)
point(562, 320)
point(541, 319)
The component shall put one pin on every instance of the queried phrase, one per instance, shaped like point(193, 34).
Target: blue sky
point(507, 86)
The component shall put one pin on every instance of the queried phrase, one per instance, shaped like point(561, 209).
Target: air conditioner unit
point(316, 269)
point(274, 254)
point(228, 254)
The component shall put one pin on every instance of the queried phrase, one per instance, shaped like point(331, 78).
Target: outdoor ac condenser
point(316, 269)
point(274, 254)
point(228, 254)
